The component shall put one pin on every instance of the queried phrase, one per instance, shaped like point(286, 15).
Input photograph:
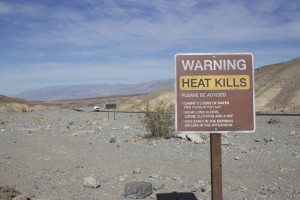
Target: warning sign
point(214, 92)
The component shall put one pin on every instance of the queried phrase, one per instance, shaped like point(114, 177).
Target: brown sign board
point(111, 106)
point(214, 93)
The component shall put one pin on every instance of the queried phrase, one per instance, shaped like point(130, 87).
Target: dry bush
point(158, 121)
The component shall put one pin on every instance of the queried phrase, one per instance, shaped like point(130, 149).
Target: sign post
point(111, 106)
point(215, 94)
point(216, 166)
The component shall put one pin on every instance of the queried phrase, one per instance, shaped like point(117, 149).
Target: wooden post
point(107, 113)
point(216, 165)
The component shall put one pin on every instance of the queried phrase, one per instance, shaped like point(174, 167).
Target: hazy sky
point(65, 42)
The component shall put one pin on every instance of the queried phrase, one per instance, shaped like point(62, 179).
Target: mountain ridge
point(277, 88)
point(85, 91)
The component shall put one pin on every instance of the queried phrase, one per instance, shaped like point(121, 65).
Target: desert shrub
point(26, 109)
point(158, 121)
point(8, 192)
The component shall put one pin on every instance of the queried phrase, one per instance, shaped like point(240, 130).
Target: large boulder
point(194, 138)
point(138, 190)
point(91, 182)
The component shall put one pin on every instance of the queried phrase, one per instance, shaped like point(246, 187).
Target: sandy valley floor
point(47, 154)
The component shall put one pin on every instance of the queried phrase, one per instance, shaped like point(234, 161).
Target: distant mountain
point(277, 88)
point(56, 93)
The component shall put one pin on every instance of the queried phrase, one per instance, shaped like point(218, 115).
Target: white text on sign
point(213, 65)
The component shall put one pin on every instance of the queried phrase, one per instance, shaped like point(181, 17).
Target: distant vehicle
point(96, 109)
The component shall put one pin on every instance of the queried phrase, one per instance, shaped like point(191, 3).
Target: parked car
point(96, 109)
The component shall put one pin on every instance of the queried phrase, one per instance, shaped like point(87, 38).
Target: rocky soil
point(68, 154)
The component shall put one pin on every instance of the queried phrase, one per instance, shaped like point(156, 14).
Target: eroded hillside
point(278, 86)
point(8, 104)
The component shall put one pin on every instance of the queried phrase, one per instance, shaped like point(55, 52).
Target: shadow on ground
point(176, 196)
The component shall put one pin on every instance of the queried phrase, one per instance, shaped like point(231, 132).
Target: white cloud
point(46, 41)
point(230, 21)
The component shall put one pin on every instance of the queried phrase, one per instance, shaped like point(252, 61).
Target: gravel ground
point(47, 154)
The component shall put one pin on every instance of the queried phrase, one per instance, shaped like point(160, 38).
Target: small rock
point(190, 187)
point(176, 178)
point(194, 138)
point(155, 176)
point(206, 188)
point(292, 133)
point(244, 151)
point(182, 136)
point(137, 190)
point(243, 188)
point(158, 185)
point(126, 127)
point(204, 136)
point(21, 197)
point(122, 179)
point(272, 189)
point(112, 140)
point(257, 140)
point(137, 171)
point(152, 143)
point(236, 158)
point(273, 120)
point(91, 182)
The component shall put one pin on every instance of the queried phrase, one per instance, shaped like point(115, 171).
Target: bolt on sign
point(215, 92)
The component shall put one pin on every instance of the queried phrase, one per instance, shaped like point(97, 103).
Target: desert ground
point(46, 155)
